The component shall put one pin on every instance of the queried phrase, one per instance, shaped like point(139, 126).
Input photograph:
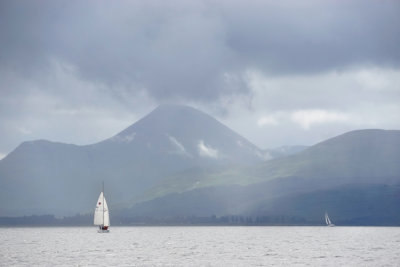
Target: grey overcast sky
point(277, 72)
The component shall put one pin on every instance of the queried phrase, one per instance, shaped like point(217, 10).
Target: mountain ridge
point(305, 173)
point(41, 169)
point(178, 156)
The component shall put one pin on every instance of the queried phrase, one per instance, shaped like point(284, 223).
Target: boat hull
point(103, 231)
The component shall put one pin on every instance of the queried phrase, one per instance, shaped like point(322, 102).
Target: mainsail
point(327, 220)
point(101, 214)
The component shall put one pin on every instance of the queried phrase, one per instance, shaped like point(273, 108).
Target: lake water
point(201, 246)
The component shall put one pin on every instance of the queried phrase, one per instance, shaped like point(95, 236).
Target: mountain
point(356, 175)
point(43, 177)
point(180, 162)
point(350, 204)
point(184, 132)
point(362, 155)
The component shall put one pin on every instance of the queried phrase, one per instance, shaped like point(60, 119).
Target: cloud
point(206, 151)
point(378, 80)
point(58, 103)
point(170, 49)
point(101, 65)
point(24, 130)
point(311, 108)
point(267, 120)
point(306, 118)
point(195, 49)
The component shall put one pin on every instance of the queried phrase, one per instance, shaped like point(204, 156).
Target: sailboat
point(101, 214)
point(328, 221)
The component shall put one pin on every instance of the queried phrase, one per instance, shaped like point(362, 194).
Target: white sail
point(327, 220)
point(106, 214)
point(101, 214)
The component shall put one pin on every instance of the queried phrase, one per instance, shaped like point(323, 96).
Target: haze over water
point(200, 246)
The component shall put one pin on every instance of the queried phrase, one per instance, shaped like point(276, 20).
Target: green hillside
point(355, 175)
point(358, 156)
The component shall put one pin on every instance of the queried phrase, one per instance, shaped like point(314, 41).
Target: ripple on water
point(205, 246)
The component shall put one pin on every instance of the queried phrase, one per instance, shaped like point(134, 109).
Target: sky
point(277, 72)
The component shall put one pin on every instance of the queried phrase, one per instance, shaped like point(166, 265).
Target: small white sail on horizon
point(327, 220)
point(101, 214)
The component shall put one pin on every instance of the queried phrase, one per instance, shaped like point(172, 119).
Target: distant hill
point(343, 174)
point(178, 162)
point(43, 177)
point(361, 154)
point(351, 204)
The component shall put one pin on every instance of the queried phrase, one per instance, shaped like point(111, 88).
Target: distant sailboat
point(101, 214)
point(328, 221)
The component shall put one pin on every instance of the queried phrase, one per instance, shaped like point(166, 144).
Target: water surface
point(201, 246)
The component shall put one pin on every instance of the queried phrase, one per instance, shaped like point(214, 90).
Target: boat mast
point(103, 204)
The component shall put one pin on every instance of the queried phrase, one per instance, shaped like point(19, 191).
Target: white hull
point(103, 231)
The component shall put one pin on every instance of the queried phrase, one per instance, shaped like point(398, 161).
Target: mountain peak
point(188, 132)
point(176, 112)
point(174, 107)
point(169, 118)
